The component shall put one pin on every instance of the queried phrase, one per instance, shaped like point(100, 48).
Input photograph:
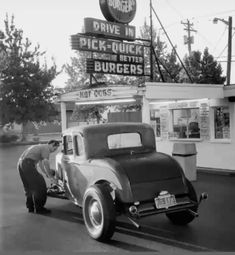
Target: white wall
point(209, 154)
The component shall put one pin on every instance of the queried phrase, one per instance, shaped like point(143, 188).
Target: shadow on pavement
point(71, 213)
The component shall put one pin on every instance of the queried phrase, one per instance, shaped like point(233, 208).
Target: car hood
point(149, 167)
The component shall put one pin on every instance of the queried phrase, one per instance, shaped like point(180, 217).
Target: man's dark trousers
point(34, 184)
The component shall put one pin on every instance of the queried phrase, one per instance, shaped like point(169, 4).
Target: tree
point(203, 68)
point(76, 70)
point(26, 93)
point(87, 113)
point(79, 79)
point(162, 59)
point(172, 68)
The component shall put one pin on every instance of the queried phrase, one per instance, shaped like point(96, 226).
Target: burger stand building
point(203, 114)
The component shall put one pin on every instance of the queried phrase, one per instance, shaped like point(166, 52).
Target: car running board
point(56, 194)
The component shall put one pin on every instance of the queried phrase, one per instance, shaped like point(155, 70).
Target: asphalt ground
point(212, 231)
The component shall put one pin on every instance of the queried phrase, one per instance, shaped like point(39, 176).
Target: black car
point(113, 169)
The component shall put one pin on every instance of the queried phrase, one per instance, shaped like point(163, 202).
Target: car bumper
point(149, 208)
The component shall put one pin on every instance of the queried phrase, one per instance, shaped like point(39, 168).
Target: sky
point(51, 23)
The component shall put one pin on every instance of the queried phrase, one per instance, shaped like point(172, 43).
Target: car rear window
point(124, 140)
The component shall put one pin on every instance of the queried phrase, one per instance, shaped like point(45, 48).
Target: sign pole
point(229, 50)
point(151, 42)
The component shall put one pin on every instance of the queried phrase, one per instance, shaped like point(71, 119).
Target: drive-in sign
point(109, 29)
point(112, 55)
point(111, 67)
point(122, 11)
point(87, 43)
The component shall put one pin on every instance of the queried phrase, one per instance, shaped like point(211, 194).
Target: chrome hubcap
point(95, 213)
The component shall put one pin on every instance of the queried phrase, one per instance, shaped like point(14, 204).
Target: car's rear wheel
point(185, 217)
point(99, 212)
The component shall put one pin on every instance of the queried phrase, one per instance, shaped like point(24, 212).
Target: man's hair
point(54, 142)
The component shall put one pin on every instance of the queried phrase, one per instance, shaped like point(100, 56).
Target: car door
point(73, 161)
point(68, 162)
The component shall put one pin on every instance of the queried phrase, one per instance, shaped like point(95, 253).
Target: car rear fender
point(111, 172)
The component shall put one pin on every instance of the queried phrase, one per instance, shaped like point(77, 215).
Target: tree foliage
point(26, 93)
point(79, 79)
point(76, 70)
point(203, 68)
point(165, 65)
point(87, 113)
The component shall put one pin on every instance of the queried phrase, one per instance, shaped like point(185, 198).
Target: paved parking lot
point(213, 230)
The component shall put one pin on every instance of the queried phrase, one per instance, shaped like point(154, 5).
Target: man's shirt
point(36, 152)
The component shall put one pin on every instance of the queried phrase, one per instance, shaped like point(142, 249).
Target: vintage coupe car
point(113, 169)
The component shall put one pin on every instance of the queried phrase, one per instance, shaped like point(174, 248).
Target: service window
point(79, 145)
point(124, 140)
point(221, 123)
point(186, 123)
point(68, 145)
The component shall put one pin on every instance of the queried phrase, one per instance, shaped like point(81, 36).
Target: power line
point(224, 48)
point(226, 56)
point(214, 14)
point(176, 10)
point(172, 45)
point(225, 61)
point(222, 35)
point(204, 38)
point(222, 51)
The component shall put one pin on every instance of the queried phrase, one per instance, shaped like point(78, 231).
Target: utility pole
point(229, 49)
point(229, 23)
point(151, 41)
point(188, 39)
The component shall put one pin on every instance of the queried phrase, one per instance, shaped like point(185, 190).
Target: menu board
point(204, 121)
point(200, 110)
point(164, 115)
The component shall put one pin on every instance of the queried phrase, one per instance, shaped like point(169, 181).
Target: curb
point(21, 143)
point(217, 171)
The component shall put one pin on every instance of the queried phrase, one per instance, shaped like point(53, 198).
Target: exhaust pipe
point(133, 222)
point(195, 214)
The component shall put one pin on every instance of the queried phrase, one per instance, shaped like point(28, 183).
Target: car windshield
point(124, 140)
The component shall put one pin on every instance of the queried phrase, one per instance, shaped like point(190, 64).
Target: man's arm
point(42, 168)
point(46, 168)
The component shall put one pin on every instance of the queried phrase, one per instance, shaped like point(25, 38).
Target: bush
point(8, 138)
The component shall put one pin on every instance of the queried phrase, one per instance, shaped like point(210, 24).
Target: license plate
point(165, 201)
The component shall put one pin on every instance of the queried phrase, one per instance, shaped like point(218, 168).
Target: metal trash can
point(185, 154)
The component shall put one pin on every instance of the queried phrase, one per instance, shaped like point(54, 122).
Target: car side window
point(79, 145)
point(68, 145)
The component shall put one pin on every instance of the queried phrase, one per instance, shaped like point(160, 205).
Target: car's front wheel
point(99, 212)
point(185, 217)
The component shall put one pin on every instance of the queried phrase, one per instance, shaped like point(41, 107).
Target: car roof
point(107, 127)
point(95, 136)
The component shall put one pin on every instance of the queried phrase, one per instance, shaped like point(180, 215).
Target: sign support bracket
point(96, 81)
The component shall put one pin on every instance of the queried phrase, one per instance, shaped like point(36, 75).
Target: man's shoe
point(43, 210)
point(31, 210)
